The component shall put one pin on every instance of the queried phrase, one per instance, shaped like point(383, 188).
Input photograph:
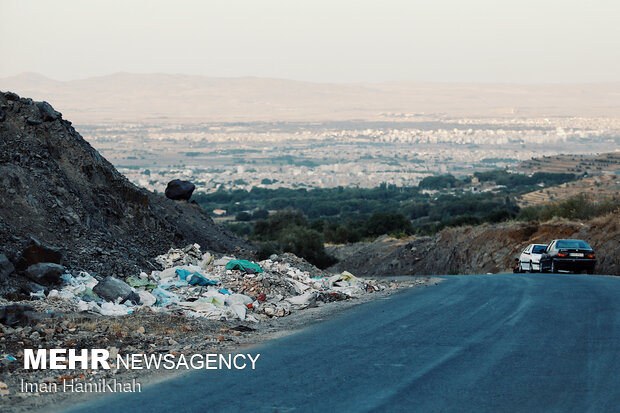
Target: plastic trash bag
point(39, 294)
point(303, 301)
point(240, 299)
point(244, 265)
point(136, 282)
point(194, 278)
point(239, 310)
point(218, 300)
point(207, 260)
point(147, 299)
point(113, 309)
point(171, 273)
point(222, 261)
point(88, 306)
point(347, 276)
point(164, 298)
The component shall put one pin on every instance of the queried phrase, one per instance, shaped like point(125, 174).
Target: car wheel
point(553, 269)
point(590, 271)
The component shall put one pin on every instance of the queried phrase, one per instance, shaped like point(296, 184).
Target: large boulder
point(37, 252)
point(178, 189)
point(45, 273)
point(47, 112)
point(112, 289)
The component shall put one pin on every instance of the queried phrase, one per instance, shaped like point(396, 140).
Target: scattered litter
point(198, 285)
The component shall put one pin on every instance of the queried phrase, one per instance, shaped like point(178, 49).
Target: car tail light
point(562, 254)
point(592, 255)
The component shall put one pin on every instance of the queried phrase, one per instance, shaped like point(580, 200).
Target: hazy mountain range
point(184, 98)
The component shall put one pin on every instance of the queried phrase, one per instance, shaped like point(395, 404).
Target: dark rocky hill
point(56, 188)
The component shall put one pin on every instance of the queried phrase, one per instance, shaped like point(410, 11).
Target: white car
point(529, 260)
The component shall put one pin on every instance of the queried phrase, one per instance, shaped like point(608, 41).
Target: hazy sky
point(327, 41)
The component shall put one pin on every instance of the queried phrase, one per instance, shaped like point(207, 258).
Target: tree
point(386, 223)
point(243, 216)
point(438, 182)
point(306, 243)
point(260, 214)
point(271, 227)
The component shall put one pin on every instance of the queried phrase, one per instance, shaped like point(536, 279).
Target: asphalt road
point(488, 343)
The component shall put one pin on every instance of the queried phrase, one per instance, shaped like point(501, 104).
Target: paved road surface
point(497, 343)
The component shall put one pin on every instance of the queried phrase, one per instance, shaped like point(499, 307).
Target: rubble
point(189, 255)
point(172, 315)
point(198, 286)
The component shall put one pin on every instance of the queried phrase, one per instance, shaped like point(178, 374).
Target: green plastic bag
point(244, 265)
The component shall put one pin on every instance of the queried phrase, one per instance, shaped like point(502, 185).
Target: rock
point(34, 288)
point(178, 189)
point(37, 252)
point(6, 267)
point(11, 96)
point(34, 120)
point(16, 314)
point(141, 330)
point(47, 112)
point(46, 273)
point(111, 289)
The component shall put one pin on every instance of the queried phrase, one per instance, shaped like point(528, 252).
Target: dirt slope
point(55, 187)
point(483, 249)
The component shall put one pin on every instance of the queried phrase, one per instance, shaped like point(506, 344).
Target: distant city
point(401, 150)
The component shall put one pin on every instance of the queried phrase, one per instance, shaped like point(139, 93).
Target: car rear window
point(538, 249)
point(569, 243)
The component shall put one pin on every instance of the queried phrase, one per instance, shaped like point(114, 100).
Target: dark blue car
point(573, 255)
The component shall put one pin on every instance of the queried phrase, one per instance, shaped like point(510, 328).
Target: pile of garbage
point(197, 284)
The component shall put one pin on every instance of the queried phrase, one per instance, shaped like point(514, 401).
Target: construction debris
point(196, 285)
